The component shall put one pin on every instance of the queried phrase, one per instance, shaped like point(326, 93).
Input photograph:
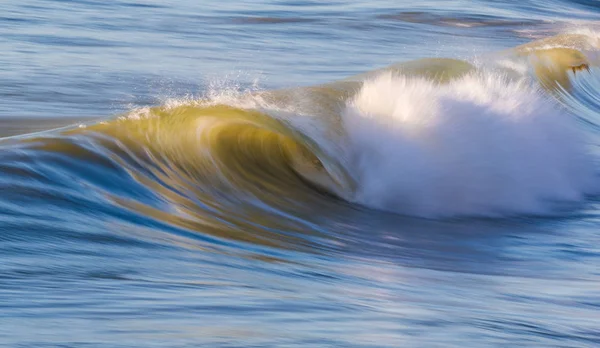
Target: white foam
point(481, 145)
point(592, 34)
point(138, 113)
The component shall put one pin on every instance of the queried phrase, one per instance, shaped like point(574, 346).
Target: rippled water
point(186, 174)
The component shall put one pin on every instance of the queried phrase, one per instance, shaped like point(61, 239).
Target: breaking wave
point(433, 138)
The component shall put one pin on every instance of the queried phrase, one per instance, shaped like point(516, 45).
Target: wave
point(435, 138)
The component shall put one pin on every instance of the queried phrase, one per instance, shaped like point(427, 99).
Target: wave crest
point(481, 145)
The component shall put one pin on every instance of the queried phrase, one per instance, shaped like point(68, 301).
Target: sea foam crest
point(482, 145)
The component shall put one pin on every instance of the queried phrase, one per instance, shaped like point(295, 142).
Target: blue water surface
point(79, 270)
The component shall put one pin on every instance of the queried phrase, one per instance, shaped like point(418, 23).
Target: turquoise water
point(154, 191)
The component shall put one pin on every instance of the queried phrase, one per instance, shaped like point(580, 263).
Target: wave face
point(459, 194)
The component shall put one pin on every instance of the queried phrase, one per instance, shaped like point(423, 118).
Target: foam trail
point(481, 145)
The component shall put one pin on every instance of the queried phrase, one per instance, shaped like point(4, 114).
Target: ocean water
point(299, 173)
